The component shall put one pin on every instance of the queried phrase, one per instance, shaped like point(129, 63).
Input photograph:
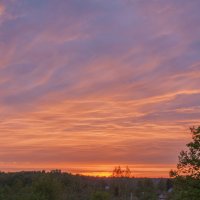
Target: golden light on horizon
point(97, 174)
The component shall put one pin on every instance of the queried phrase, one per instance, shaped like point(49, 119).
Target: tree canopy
point(118, 172)
point(187, 175)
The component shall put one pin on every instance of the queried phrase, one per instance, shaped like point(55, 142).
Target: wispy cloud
point(103, 82)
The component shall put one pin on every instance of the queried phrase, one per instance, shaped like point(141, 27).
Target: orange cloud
point(2, 9)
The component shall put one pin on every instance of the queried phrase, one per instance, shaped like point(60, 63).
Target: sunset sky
point(86, 85)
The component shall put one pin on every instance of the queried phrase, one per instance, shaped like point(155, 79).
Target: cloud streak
point(97, 83)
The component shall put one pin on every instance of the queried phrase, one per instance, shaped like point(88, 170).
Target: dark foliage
point(63, 186)
point(187, 175)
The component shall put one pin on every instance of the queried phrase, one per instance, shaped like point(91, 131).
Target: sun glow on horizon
point(97, 174)
point(95, 170)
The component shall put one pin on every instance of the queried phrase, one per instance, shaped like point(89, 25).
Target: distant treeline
point(56, 185)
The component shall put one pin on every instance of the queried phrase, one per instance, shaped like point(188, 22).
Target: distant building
point(107, 187)
point(162, 197)
point(170, 190)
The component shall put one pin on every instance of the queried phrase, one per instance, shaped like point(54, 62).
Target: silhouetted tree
point(122, 182)
point(187, 175)
point(118, 172)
